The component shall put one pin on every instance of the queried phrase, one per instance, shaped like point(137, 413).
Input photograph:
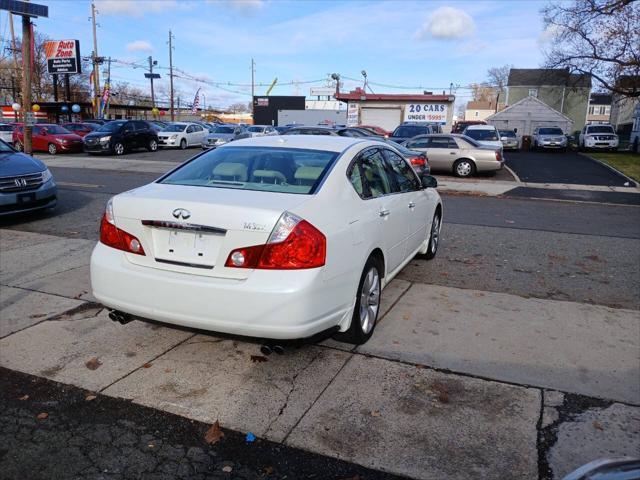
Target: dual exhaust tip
point(120, 317)
point(267, 350)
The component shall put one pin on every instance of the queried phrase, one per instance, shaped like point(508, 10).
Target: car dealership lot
point(524, 329)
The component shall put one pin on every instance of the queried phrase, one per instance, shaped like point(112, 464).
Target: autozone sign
point(63, 56)
point(426, 112)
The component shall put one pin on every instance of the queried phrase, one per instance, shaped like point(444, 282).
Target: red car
point(50, 138)
point(80, 128)
point(378, 130)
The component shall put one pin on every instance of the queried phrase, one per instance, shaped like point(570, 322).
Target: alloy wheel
point(435, 235)
point(369, 300)
point(52, 149)
point(153, 145)
point(118, 148)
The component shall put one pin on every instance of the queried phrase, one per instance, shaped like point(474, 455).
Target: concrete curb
point(613, 169)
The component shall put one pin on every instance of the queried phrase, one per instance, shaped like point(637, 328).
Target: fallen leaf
point(406, 316)
point(24, 397)
point(93, 363)
point(167, 370)
point(355, 477)
point(478, 294)
point(42, 416)
point(267, 470)
point(227, 469)
point(88, 398)
point(258, 358)
point(593, 258)
point(442, 391)
point(375, 413)
point(147, 365)
point(38, 315)
point(597, 425)
point(214, 434)
point(420, 366)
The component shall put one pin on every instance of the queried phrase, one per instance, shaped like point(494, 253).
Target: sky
point(404, 46)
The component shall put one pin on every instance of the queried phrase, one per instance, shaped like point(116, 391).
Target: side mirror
point(429, 182)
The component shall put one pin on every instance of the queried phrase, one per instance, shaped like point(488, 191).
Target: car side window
point(418, 143)
point(128, 127)
point(355, 177)
point(404, 176)
point(452, 143)
point(375, 174)
point(439, 142)
point(190, 129)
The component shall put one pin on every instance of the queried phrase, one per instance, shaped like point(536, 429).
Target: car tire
point(369, 289)
point(432, 242)
point(463, 168)
point(18, 146)
point(183, 144)
point(118, 148)
point(153, 145)
point(52, 149)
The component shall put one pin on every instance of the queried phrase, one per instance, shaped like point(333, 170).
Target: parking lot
point(515, 350)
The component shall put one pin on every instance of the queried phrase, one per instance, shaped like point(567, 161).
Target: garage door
point(387, 118)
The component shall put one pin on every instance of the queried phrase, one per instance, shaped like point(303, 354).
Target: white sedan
point(283, 237)
point(183, 135)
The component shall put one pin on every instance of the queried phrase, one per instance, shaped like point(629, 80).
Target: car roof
point(481, 127)
point(332, 143)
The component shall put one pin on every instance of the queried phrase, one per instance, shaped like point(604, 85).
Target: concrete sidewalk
point(454, 384)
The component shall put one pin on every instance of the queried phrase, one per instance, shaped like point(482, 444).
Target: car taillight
point(498, 156)
point(116, 238)
point(293, 244)
point(418, 162)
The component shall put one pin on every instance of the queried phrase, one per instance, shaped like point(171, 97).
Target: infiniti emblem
point(181, 213)
point(20, 182)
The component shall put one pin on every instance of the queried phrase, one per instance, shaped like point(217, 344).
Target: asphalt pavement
point(562, 167)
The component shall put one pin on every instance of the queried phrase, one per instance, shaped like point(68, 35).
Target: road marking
point(73, 184)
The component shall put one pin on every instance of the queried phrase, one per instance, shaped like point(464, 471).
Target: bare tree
point(239, 107)
point(596, 37)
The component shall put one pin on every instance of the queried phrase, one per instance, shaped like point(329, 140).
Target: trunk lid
point(193, 229)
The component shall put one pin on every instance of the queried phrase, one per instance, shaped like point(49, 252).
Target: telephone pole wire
point(171, 76)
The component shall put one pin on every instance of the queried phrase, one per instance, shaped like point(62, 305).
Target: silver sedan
point(459, 154)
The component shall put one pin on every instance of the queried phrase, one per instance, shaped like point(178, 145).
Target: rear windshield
point(256, 129)
point(550, 131)
point(600, 129)
point(223, 130)
point(56, 130)
point(267, 169)
point(410, 131)
point(481, 134)
point(507, 133)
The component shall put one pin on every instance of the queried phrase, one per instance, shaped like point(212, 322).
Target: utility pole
point(96, 63)
point(253, 84)
point(16, 69)
point(153, 98)
point(26, 82)
point(108, 87)
point(171, 77)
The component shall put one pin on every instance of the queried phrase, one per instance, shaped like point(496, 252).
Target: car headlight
point(105, 138)
point(173, 137)
point(62, 140)
point(46, 176)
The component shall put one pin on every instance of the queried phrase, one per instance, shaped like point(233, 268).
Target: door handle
point(412, 205)
point(384, 213)
point(452, 153)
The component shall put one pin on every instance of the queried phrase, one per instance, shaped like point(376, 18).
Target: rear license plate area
point(186, 248)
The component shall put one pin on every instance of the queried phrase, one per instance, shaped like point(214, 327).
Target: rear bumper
point(19, 202)
point(488, 165)
point(268, 304)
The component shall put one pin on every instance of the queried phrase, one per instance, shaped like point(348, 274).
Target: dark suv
point(409, 130)
point(120, 136)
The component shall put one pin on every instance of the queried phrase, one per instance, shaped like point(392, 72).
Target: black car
point(407, 131)
point(319, 130)
point(120, 136)
point(357, 132)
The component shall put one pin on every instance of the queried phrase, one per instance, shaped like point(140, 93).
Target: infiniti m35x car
point(275, 237)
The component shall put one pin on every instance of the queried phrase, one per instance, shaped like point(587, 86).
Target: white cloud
point(134, 8)
point(549, 34)
point(139, 46)
point(447, 23)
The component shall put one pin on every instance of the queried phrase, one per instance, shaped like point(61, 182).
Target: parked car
point(485, 135)
point(549, 137)
point(182, 134)
point(6, 132)
point(509, 140)
point(307, 130)
point(377, 130)
point(25, 182)
point(80, 129)
point(259, 131)
point(409, 130)
point(418, 160)
point(157, 125)
point(262, 223)
point(357, 132)
point(120, 136)
point(601, 136)
point(459, 127)
point(48, 137)
point(461, 155)
point(97, 121)
point(221, 135)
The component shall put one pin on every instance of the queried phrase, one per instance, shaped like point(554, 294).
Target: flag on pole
point(196, 103)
